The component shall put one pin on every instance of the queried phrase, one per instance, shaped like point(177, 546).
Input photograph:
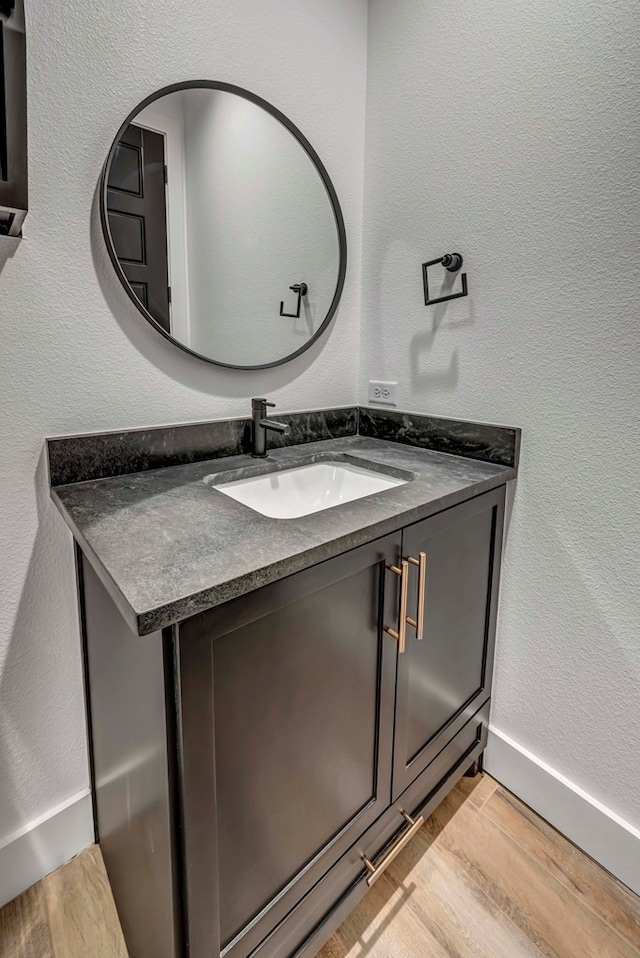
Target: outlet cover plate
point(383, 393)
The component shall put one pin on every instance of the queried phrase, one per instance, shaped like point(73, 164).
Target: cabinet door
point(445, 677)
point(301, 697)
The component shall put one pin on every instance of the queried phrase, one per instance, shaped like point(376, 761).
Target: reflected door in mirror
point(136, 207)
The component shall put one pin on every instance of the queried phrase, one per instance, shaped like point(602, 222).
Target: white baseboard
point(43, 845)
point(589, 824)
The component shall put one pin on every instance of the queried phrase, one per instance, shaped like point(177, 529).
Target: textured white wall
point(75, 355)
point(506, 130)
point(509, 131)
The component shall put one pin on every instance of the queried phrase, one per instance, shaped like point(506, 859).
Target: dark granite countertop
point(167, 545)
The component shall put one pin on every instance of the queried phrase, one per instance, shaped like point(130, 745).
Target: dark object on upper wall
point(13, 118)
point(212, 201)
point(451, 262)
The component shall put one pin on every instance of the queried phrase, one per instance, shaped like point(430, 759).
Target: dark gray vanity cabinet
point(293, 687)
point(297, 747)
point(445, 677)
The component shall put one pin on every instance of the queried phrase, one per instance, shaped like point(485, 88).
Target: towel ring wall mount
point(452, 262)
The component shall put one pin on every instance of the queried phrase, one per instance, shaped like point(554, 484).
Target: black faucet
point(259, 426)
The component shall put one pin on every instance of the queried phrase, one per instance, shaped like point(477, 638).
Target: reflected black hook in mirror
point(451, 262)
point(301, 289)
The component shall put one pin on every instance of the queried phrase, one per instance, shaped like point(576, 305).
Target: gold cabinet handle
point(376, 870)
point(421, 562)
point(401, 634)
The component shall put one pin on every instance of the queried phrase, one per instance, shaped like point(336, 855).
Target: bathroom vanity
point(275, 705)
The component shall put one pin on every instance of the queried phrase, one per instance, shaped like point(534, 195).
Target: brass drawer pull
point(376, 870)
point(421, 562)
point(401, 634)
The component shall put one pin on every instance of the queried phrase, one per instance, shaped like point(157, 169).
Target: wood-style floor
point(69, 914)
point(484, 878)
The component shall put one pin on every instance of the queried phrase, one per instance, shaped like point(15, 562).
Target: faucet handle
point(258, 404)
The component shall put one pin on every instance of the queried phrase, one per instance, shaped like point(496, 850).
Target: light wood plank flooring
point(69, 914)
point(484, 878)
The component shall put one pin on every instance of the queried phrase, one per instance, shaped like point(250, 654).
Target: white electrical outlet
point(383, 394)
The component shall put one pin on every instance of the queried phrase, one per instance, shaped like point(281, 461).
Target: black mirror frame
point(313, 156)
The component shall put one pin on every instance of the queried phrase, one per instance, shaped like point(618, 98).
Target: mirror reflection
point(224, 227)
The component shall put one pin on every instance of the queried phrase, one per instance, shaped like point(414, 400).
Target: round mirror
point(223, 225)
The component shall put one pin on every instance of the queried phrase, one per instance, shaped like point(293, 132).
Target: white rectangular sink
point(306, 489)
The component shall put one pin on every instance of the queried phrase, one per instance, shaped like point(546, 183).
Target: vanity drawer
point(312, 922)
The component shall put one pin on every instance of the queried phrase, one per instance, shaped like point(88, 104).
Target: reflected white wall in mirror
point(247, 216)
